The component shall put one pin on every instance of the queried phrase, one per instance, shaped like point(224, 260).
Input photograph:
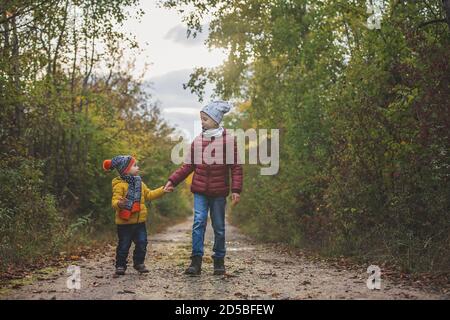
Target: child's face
point(207, 122)
point(134, 170)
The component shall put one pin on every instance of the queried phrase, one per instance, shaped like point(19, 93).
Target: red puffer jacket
point(208, 160)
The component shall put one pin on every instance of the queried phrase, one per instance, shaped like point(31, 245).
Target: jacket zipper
point(207, 177)
point(208, 169)
point(139, 213)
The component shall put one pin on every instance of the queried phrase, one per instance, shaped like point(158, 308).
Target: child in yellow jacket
point(129, 196)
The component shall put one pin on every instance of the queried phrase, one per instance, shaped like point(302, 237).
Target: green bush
point(30, 224)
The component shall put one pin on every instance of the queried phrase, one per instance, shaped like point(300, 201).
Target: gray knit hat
point(217, 109)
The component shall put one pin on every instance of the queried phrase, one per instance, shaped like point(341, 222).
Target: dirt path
point(254, 271)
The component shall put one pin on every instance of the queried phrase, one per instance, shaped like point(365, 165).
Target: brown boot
point(120, 271)
point(141, 268)
point(195, 269)
point(219, 266)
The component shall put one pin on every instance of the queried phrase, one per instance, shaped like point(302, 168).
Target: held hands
point(168, 187)
point(235, 197)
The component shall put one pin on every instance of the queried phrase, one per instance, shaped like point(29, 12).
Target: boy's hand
point(121, 203)
point(168, 187)
point(235, 197)
point(167, 190)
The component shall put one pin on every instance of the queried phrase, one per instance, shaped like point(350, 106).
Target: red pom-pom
point(107, 165)
point(136, 207)
point(125, 214)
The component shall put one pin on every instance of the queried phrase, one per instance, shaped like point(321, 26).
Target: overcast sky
point(162, 36)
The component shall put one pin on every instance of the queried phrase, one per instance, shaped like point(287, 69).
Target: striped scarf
point(133, 198)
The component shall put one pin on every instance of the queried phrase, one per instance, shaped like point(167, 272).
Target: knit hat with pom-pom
point(123, 164)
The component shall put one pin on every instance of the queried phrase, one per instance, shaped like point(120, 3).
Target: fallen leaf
point(128, 291)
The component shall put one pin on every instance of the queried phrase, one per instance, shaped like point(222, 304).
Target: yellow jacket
point(120, 188)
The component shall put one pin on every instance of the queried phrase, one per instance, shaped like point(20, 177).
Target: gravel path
point(254, 271)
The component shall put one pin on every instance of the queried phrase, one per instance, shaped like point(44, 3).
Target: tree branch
point(431, 22)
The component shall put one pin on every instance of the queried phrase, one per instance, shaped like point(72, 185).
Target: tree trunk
point(18, 109)
point(446, 4)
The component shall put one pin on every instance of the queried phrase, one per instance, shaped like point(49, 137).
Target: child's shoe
point(141, 268)
point(195, 268)
point(219, 266)
point(120, 271)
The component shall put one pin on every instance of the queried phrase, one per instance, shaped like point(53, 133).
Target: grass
point(9, 285)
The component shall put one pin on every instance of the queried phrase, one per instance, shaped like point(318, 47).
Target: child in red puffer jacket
point(210, 183)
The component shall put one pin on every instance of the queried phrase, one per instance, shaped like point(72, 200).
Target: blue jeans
point(216, 205)
point(128, 233)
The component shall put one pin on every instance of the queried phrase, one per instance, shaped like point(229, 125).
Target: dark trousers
point(128, 233)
